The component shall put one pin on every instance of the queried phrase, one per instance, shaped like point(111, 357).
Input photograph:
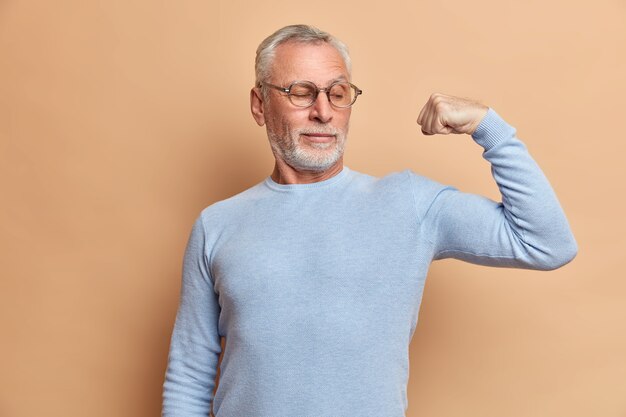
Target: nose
point(321, 110)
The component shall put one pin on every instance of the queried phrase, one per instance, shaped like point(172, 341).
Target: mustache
point(318, 131)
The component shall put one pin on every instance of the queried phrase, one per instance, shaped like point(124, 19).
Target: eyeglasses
point(304, 93)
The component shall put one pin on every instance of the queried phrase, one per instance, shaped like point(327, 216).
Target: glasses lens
point(302, 94)
point(342, 94)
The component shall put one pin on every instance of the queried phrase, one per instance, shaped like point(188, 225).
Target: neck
point(285, 174)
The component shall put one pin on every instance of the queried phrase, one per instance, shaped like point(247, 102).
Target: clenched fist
point(447, 114)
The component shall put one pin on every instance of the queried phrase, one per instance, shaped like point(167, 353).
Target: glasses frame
point(318, 90)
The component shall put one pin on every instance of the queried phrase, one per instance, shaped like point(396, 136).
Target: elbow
point(560, 254)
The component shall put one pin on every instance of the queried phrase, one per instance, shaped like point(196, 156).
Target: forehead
point(318, 62)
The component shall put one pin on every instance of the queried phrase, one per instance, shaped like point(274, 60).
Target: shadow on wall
point(239, 165)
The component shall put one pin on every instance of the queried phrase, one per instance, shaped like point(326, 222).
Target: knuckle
point(440, 105)
point(439, 100)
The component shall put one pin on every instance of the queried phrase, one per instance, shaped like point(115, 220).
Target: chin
point(313, 161)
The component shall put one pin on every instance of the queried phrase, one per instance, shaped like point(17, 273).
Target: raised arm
point(528, 229)
point(195, 345)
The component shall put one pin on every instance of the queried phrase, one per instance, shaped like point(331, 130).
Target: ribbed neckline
point(314, 185)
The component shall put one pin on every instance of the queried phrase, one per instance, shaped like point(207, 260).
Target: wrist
point(491, 130)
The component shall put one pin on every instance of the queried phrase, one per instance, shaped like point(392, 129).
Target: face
point(311, 138)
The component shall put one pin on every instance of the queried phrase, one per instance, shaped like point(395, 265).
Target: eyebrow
point(334, 80)
point(340, 78)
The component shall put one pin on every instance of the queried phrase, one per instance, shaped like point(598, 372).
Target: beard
point(309, 156)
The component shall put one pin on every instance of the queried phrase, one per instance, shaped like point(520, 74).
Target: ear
point(256, 106)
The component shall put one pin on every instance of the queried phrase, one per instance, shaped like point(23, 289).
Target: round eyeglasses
point(304, 93)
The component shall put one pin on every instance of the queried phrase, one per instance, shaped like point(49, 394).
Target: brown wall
point(121, 120)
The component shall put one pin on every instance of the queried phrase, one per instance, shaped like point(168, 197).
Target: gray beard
point(294, 154)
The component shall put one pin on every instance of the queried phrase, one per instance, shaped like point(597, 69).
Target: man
point(314, 277)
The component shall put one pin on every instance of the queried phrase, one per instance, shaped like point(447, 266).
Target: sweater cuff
point(492, 130)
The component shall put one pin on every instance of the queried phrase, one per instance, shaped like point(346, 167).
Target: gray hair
point(295, 33)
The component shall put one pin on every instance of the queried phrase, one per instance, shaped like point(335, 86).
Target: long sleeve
point(528, 229)
point(195, 344)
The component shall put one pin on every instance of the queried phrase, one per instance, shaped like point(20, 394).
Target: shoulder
point(402, 187)
point(220, 212)
point(401, 182)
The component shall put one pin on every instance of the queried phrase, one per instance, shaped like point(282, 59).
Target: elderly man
point(314, 277)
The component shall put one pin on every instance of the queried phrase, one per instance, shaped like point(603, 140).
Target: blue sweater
point(317, 287)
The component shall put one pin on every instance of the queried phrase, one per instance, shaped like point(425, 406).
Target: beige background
point(121, 120)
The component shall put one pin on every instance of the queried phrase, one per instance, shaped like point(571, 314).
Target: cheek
point(344, 120)
point(273, 120)
point(281, 120)
point(279, 125)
